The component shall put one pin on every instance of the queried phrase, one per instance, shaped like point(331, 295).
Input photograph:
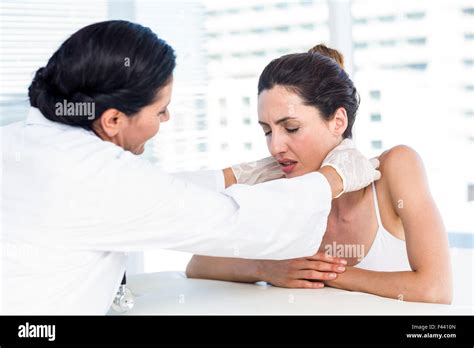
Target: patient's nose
point(165, 117)
point(277, 145)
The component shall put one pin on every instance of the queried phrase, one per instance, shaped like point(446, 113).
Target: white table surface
point(171, 293)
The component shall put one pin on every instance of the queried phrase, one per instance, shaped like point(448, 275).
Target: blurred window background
point(411, 60)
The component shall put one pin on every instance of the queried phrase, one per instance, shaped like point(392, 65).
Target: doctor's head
point(114, 78)
point(306, 106)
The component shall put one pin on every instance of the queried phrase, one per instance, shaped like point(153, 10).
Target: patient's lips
point(287, 165)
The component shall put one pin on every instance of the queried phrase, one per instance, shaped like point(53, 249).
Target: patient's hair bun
point(328, 52)
point(318, 78)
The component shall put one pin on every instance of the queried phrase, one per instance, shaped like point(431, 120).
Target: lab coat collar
point(36, 117)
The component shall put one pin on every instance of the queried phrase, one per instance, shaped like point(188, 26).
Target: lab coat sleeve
point(212, 179)
point(131, 205)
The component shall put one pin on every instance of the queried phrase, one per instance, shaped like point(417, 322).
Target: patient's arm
point(294, 273)
point(425, 235)
point(223, 268)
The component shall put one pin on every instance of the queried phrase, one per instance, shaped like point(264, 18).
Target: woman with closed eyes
point(307, 106)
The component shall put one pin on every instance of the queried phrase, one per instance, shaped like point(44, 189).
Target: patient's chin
point(139, 150)
point(297, 173)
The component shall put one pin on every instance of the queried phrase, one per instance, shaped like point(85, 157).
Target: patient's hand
point(306, 272)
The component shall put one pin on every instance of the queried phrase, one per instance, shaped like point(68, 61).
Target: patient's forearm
point(406, 286)
point(223, 268)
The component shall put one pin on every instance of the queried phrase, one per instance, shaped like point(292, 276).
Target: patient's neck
point(345, 208)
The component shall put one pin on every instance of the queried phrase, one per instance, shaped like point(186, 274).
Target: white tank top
point(387, 253)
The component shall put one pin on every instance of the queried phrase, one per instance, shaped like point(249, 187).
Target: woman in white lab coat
point(76, 197)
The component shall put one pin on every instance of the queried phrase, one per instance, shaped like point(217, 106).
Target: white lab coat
point(73, 205)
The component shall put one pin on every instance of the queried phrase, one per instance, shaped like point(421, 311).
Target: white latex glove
point(251, 173)
point(355, 170)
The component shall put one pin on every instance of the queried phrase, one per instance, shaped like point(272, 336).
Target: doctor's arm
point(141, 207)
point(131, 205)
point(285, 273)
point(280, 273)
point(247, 173)
point(358, 173)
point(229, 177)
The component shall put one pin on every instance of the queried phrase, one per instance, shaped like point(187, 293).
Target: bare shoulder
point(403, 177)
point(403, 172)
point(399, 157)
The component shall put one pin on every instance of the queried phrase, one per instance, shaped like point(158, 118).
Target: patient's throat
point(351, 232)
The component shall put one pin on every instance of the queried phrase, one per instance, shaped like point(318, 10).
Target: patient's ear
point(338, 123)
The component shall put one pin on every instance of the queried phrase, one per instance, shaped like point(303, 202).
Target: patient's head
point(307, 105)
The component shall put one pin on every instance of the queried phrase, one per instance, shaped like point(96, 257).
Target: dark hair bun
point(38, 86)
point(112, 64)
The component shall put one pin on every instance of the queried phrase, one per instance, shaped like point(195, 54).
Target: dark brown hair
point(318, 77)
